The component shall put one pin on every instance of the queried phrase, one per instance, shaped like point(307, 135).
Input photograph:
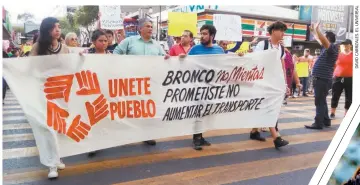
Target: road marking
point(16, 126)
point(32, 151)
point(172, 154)
point(230, 173)
point(18, 137)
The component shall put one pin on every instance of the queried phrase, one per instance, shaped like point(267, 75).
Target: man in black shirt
point(110, 37)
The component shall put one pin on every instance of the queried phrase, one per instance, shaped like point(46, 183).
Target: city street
point(232, 159)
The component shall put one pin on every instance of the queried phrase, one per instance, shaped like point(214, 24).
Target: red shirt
point(178, 49)
point(344, 65)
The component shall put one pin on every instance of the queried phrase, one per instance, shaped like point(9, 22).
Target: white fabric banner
point(79, 104)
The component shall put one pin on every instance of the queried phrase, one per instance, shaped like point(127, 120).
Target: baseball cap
point(347, 42)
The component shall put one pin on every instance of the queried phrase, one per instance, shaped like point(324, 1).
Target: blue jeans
point(321, 90)
point(304, 82)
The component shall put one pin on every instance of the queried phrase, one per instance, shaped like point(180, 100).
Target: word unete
point(129, 87)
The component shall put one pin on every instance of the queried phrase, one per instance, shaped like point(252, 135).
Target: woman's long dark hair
point(45, 39)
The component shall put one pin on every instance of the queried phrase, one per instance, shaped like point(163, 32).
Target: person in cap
point(343, 78)
point(142, 44)
point(322, 75)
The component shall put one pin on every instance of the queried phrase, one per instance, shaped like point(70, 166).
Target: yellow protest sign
point(26, 48)
point(179, 21)
point(302, 69)
point(244, 48)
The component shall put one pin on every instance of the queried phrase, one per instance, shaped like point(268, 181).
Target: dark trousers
point(321, 88)
point(5, 86)
point(293, 88)
point(340, 84)
point(304, 82)
point(197, 136)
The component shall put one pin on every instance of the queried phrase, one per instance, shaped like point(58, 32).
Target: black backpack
point(266, 47)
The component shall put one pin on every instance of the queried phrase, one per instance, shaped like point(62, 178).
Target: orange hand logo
point(97, 110)
point(78, 129)
point(58, 87)
point(56, 117)
point(88, 83)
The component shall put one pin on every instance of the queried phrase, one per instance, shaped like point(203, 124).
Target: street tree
point(86, 16)
point(68, 24)
point(25, 17)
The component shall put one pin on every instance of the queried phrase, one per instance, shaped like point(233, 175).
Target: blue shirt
point(324, 65)
point(203, 50)
point(135, 45)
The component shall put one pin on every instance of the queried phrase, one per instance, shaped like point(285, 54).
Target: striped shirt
point(324, 65)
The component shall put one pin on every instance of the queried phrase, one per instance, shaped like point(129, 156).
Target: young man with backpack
point(276, 31)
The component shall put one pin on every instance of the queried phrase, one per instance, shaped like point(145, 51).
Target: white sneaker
point(53, 173)
point(61, 166)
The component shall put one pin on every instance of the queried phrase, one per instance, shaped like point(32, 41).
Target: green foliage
point(86, 15)
point(19, 29)
point(69, 25)
point(25, 16)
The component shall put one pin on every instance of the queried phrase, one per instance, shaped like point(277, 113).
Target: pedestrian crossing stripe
point(172, 154)
point(18, 151)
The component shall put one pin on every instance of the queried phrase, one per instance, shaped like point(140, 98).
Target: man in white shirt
point(276, 31)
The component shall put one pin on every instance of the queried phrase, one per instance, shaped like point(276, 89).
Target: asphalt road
point(232, 158)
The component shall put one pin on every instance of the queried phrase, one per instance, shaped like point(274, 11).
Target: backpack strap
point(282, 51)
point(266, 44)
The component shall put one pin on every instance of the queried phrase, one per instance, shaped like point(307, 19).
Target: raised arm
point(322, 40)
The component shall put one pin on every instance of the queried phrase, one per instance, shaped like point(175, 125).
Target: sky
point(39, 12)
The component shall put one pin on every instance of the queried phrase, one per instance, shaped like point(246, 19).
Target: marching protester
point(48, 41)
point(322, 75)
point(276, 31)
point(304, 79)
point(310, 82)
point(48, 44)
point(206, 47)
point(15, 53)
point(343, 78)
point(141, 44)
point(100, 41)
point(291, 74)
point(110, 41)
point(184, 46)
point(223, 44)
point(71, 40)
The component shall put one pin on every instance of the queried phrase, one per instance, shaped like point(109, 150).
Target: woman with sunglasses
point(71, 40)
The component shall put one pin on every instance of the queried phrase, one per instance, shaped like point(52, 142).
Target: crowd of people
point(50, 41)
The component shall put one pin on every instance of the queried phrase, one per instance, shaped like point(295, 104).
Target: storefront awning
point(260, 17)
point(6, 34)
